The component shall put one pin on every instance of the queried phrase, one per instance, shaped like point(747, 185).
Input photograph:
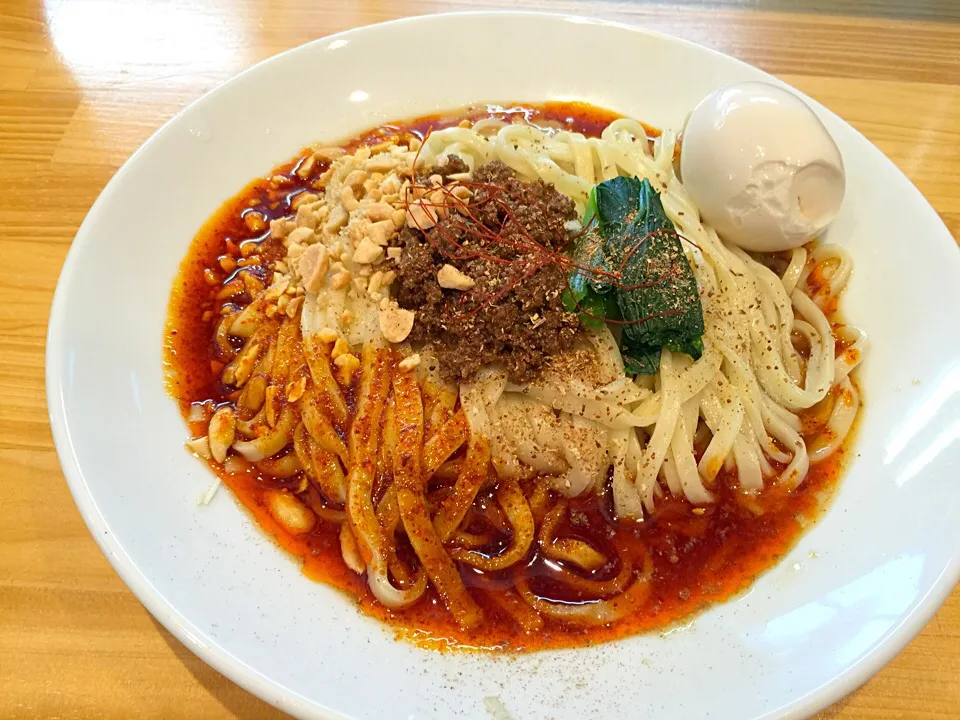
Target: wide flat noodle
point(409, 481)
point(364, 439)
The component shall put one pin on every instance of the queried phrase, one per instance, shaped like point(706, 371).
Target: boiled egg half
point(761, 166)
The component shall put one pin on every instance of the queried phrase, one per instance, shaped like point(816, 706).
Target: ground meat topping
point(512, 314)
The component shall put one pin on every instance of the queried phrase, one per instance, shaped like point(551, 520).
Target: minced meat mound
point(520, 328)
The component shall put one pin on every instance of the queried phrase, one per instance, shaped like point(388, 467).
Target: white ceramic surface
point(852, 593)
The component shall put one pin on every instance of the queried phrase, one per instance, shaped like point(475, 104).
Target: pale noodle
point(750, 380)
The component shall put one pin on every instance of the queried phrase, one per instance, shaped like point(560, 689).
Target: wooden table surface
point(84, 82)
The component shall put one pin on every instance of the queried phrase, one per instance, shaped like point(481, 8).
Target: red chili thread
point(532, 256)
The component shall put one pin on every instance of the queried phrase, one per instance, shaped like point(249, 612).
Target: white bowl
point(852, 593)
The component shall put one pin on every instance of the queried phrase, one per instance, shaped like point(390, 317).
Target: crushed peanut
point(337, 219)
point(313, 267)
point(355, 178)
point(375, 283)
point(452, 279)
point(294, 306)
point(382, 231)
point(304, 198)
point(382, 163)
point(379, 211)
point(395, 322)
point(338, 236)
point(357, 230)
point(307, 166)
point(254, 221)
point(329, 153)
point(340, 347)
point(410, 362)
point(368, 252)
point(306, 218)
point(327, 335)
point(348, 200)
point(250, 248)
point(420, 217)
point(299, 236)
point(296, 389)
point(390, 185)
point(347, 365)
point(360, 284)
point(340, 280)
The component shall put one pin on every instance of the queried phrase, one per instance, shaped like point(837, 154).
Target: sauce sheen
point(700, 556)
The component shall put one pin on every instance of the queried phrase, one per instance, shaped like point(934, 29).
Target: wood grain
point(84, 82)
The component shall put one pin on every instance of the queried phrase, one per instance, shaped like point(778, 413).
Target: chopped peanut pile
point(342, 244)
